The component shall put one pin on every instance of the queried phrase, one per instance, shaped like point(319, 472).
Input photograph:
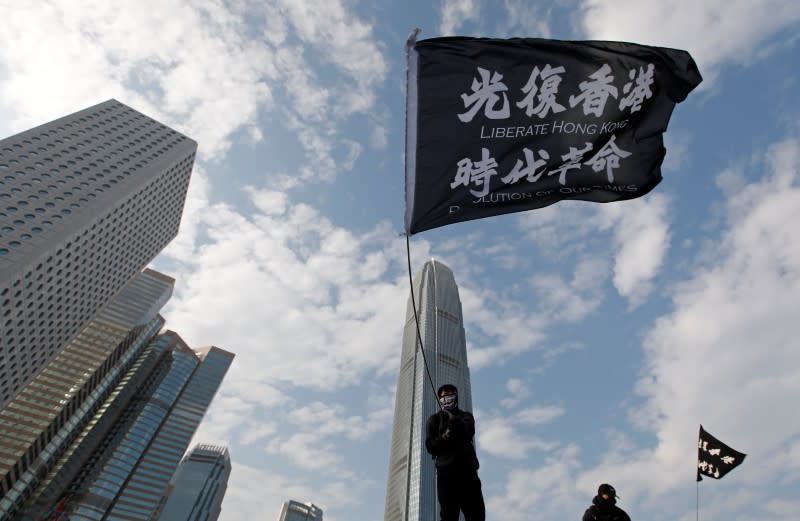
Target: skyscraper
point(86, 202)
point(296, 511)
point(198, 486)
point(40, 423)
point(128, 473)
point(411, 488)
point(96, 407)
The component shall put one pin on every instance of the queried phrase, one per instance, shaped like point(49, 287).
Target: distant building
point(86, 202)
point(198, 486)
point(296, 511)
point(411, 487)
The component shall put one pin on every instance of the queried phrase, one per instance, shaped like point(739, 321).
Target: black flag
point(497, 126)
point(714, 458)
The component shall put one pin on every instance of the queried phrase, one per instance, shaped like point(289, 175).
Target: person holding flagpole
point(604, 506)
point(449, 439)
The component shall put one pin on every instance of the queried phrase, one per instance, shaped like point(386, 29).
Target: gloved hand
point(457, 428)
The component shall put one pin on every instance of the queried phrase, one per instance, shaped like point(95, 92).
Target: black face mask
point(449, 402)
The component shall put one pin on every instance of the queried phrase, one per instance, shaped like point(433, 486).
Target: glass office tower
point(296, 511)
point(86, 202)
point(38, 425)
point(128, 474)
point(411, 488)
point(198, 487)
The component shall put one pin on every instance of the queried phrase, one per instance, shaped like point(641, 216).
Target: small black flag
point(714, 458)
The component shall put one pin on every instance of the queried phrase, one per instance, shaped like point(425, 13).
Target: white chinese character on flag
point(594, 94)
point(608, 158)
point(572, 160)
point(638, 89)
point(546, 93)
point(531, 165)
point(479, 173)
point(484, 94)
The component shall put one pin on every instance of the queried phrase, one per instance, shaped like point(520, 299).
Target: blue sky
point(599, 336)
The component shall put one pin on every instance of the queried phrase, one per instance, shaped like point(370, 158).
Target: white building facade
point(86, 202)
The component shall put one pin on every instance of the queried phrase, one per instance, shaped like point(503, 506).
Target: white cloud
point(316, 288)
point(226, 412)
point(725, 356)
point(455, 13)
point(327, 420)
point(722, 353)
point(782, 509)
point(539, 415)
point(505, 435)
point(270, 202)
point(309, 36)
point(257, 493)
point(346, 41)
point(196, 204)
point(500, 438)
point(378, 137)
point(502, 328)
point(259, 431)
point(189, 66)
point(545, 492)
point(518, 391)
point(641, 235)
point(193, 66)
point(635, 232)
point(705, 28)
point(677, 144)
point(307, 450)
point(526, 19)
point(572, 301)
point(563, 229)
point(310, 98)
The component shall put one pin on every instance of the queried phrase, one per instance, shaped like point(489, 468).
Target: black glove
point(446, 421)
point(446, 418)
point(458, 428)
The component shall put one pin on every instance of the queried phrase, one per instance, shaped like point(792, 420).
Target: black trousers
point(460, 491)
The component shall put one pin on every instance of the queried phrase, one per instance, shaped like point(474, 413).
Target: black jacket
point(454, 450)
point(602, 510)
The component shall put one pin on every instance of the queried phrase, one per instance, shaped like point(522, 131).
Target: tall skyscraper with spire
point(411, 488)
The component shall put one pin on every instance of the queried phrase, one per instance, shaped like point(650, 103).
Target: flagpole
point(698, 501)
point(416, 321)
